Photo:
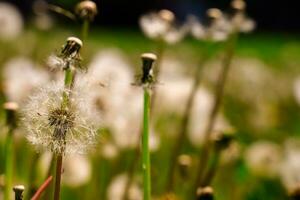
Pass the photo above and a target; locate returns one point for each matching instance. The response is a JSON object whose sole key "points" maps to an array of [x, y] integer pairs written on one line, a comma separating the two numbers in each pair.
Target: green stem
{"points": [[212, 168], [8, 164], [218, 97], [145, 146], [59, 159], [85, 30]]}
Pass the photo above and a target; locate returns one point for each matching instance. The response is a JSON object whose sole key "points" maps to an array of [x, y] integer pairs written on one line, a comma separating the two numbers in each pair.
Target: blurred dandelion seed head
{"points": [[161, 26], [11, 22]]}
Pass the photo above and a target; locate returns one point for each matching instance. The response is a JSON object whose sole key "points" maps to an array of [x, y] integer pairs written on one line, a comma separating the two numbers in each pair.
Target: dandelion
{"points": [[218, 28], [147, 81], [11, 22], [117, 186], [56, 126], [86, 10], [77, 170], [218, 98], [21, 77], [68, 57], [205, 193], [289, 167], [18, 189], [263, 159], [160, 26]]}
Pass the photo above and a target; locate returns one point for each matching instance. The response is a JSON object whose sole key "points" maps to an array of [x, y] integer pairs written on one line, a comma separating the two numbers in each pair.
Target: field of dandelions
{"points": [[196, 110]]}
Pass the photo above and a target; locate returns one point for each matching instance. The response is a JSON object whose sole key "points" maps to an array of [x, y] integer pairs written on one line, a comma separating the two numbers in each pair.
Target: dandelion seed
{"points": [[61, 128]]}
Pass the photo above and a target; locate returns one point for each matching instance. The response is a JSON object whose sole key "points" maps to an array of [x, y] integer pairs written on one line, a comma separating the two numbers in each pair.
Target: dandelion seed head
{"points": [[21, 77], [77, 170], [214, 13], [117, 186], [239, 5], [61, 128], [11, 21], [167, 15], [160, 26], [289, 169], [263, 159]]}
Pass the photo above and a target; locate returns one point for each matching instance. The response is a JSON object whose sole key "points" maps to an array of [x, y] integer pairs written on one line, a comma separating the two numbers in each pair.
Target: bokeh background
{"points": [[261, 101]]}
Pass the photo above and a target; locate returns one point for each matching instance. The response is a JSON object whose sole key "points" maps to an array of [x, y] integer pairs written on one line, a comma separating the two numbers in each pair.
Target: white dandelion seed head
{"points": [[290, 166], [242, 23], [77, 170], [62, 129], [202, 106], [21, 76], [263, 158], [160, 26], [117, 186], [218, 30], [109, 151], [11, 21]]}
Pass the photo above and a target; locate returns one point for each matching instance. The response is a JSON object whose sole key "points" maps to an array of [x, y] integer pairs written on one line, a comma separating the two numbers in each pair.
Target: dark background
{"points": [[273, 15]]}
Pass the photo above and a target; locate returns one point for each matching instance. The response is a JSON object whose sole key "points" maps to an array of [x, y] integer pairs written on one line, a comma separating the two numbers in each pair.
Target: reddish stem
{"points": [[42, 188]]}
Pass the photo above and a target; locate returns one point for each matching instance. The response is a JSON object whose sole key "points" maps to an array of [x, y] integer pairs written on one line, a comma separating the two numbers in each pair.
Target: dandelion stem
{"points": [[42, 188], [58, 171], [145, 146], [212, 168], [85, 29], [205, 152], [8, 164]]}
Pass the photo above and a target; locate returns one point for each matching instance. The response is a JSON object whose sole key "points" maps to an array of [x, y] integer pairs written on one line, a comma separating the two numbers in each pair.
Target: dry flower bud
{"points": [[185, 162], [238, 5], [18, 189], [294, 194], [11, 108], [214, 13], [223, 139], [86, 10], [205, 193], [73, 45], [148, 60], [167, 15]]}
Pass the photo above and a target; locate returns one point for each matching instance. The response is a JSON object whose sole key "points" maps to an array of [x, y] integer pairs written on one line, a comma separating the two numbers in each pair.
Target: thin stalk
{"points": [[183, 130], [58, 171], [41, 189], [145, 146], [212, 169], [8, 164], [85, 30], [218, 97], [160, 52], [69, 77]]}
